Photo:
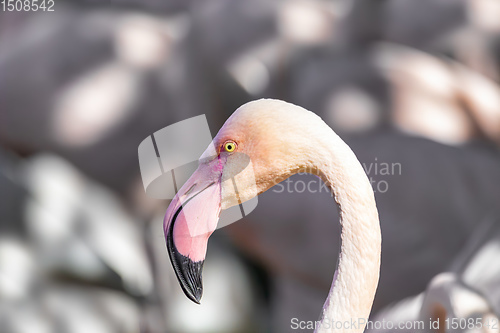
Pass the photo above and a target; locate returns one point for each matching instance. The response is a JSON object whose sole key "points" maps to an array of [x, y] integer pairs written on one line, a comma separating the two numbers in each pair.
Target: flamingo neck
{"points": [[353, 288]]}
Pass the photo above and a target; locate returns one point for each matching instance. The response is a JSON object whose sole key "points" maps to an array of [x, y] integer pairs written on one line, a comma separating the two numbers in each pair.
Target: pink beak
{"points": [[190, 219]]}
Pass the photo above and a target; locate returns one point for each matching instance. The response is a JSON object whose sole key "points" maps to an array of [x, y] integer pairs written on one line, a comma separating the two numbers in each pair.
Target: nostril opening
{"points": [[190, 189]]}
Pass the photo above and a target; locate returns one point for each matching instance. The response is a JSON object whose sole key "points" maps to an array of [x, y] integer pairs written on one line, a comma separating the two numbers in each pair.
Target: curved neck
{"points": [[288, 139], [353, 288]]}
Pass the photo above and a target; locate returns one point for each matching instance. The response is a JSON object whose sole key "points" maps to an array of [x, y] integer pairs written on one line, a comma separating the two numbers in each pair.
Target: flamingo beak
{"points": [[190, 219]]}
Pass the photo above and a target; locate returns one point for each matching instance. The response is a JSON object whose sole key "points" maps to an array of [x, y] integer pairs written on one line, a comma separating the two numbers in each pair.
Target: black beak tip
{"points": [[197, 295], [191, 292], [189, 275], [188, 272]]}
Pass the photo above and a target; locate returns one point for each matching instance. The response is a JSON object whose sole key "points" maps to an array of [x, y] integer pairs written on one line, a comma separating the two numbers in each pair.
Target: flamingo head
{"points": [[250, 154]]}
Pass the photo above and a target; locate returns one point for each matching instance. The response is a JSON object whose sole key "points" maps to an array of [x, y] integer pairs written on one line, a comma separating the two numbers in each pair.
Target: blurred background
{"points": [[411, 86]]}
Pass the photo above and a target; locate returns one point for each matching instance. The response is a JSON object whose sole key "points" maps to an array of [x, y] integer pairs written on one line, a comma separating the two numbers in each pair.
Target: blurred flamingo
{"points": [[466, 293]]}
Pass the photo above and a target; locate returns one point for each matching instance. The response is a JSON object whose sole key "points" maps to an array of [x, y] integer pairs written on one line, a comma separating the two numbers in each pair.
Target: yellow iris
{"points": [[229, 146]]}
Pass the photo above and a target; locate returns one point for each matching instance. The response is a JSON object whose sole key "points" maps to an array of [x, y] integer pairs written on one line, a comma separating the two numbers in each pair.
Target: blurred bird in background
{"points": [[411, 86]]}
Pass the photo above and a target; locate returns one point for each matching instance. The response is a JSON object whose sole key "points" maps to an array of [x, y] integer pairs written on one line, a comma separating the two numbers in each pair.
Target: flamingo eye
{"points": [[229, 146]]}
